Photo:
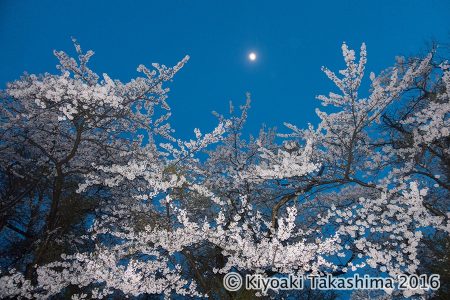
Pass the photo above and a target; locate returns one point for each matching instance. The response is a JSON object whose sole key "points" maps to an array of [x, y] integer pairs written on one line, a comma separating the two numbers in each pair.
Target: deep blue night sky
{"points": [[293, 39]]}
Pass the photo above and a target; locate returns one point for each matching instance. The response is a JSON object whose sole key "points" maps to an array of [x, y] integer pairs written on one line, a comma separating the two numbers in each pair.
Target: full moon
{"points": [[252, 56]]}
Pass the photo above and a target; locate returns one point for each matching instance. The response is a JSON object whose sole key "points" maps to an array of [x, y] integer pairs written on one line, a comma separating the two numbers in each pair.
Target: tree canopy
{"points": [[99, 198]]}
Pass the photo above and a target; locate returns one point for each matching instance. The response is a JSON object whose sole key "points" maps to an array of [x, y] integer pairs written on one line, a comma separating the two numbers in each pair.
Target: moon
{"points": [[252, 56]]}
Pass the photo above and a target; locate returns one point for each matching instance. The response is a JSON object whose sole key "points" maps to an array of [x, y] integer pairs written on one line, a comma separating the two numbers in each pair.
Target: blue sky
{"points": [[293, 39]]}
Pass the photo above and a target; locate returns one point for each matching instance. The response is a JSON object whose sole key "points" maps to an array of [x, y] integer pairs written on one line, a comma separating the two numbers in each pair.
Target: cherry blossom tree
{"points": [[57, 128], [360, 192]]}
